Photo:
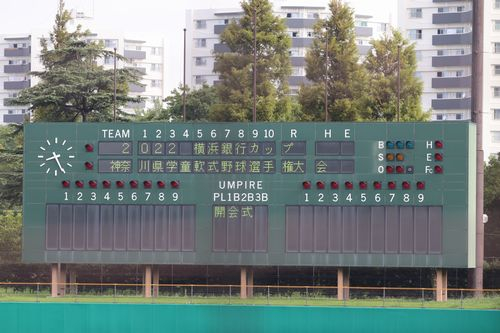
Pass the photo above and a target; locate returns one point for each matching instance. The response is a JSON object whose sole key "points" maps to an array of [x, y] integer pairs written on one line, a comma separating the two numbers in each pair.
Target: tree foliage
{"points": [[492, 183], [382, 65], [11, 167], [235, 67], [72, 85], [10, 236], [333, 58]]}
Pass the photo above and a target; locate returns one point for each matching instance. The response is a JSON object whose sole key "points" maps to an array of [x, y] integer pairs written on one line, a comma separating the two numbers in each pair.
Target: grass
{"points": [[487, 302]]}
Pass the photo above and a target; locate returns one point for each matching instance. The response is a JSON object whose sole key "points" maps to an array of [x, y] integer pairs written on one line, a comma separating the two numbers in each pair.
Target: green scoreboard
{"points": [[301, 194]]}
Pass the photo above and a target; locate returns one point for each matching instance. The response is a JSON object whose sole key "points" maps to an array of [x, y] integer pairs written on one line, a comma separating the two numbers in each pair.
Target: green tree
{"points": [[10, 236], [11, 167], [382, 65], [492, 183], [235, 67], [333, 58], [72, 85]]}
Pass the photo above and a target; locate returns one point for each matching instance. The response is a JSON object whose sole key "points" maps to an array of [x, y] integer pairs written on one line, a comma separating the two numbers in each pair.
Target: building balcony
{"points": [[8, 101], [19, 52], [451, 82], [23, 68], [297, 80], [300, 23], [364, 31], [221, 48], [134, 54], [136, 88], [453, 39], [141, 70], [302, 42], [14, 118], [451, 104], [131, 105], [450, 18], [16, 85], [219, 28], [298, 61], [452, 61]]}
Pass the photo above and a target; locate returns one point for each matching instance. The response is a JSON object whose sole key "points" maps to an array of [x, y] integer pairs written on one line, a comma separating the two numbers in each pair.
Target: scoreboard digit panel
{"points": [[324, 194]]}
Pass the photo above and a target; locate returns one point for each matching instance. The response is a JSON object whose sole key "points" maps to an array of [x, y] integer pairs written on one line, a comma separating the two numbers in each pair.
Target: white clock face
{"points": [[55, 157]]}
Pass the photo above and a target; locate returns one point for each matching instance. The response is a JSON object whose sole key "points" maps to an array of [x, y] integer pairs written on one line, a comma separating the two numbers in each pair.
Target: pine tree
{"points": [[382, 65], [235, 67], [72, 85], [333, 58]]}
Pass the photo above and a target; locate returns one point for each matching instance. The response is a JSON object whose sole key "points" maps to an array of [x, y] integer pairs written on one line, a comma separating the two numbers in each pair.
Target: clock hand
{"points": [[59, 163], [54, 156]]}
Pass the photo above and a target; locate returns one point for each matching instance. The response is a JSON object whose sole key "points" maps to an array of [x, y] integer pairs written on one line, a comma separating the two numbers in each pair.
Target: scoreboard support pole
{"points": [[156, 281], [62, 279], [73, 288], [441, 285], [343, 283], [243, 282], [147, 281], [54, 272]]}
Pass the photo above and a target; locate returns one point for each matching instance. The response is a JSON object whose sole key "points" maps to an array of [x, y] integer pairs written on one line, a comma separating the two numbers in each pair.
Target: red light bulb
{"points": [[306, 185], [400, 169], [391, 185], [92, 183], [175, 184], [120, 183], [420, 185], [89, 165], [363, 185], [320, 185], [106, 184], [438, 144], [79, 184], [133, 183], [348, 185], [147, 184], [438, 169], [377, 185], [160, 184], [406, 185], [65, 183], [89, 148], [438, 157], [389, 169], [334, 185]]}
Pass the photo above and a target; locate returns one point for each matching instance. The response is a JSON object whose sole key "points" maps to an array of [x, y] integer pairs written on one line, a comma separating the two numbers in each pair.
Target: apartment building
{"points": [[442, 33], [204, 27]]}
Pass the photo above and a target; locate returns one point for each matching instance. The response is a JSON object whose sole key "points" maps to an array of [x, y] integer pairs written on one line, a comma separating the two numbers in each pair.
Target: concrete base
{"points": [[441, 285], [343, 284]]}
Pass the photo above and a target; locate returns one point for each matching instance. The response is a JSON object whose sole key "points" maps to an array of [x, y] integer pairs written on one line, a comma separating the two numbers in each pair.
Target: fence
{"points": [[257, 295]]}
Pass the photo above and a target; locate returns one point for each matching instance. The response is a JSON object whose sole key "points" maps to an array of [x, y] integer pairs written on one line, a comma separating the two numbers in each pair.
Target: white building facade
{"points": [[442, 33], [204, 27]]}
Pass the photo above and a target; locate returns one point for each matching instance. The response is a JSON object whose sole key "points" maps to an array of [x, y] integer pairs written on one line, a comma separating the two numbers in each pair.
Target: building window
{"points": [[202, 42], [311, 15], [199, 79], [496, 114], [294, 34], [110, 43], [497, 47], [19, 45], [156, 83], [496, 91], [156, 67], [415, 34], [415, 12], [497, 4], [292, 15], [496, 69], [440, 116], [459, 116], [199, 61], [496, 25], [201, 24], [495, 136], [108, 60], [156, 51]]}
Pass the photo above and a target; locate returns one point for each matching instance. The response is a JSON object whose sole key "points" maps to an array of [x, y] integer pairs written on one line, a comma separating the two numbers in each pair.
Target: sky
{"points": [[145, 19]]}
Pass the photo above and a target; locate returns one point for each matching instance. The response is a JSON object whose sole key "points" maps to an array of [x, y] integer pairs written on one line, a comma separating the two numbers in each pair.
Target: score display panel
{"points": [[298, 194]]}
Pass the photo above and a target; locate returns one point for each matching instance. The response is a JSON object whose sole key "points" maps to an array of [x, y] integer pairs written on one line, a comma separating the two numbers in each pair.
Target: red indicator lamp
{"points": [[306, 185], [133, 183], [92, 183], [89, 148], [438, 144], [65, 183], [106, 184], [120, 184], [389, 169], [391, 185], [320, 185], [363, 185], [89, 165], [147, 184], [420, 185], [400, 169], [406, 185], [377, 185], [348, 185], [334, 185], [79, 184], [438, 169], [160, 184], [438, 157], [175, 184]]}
